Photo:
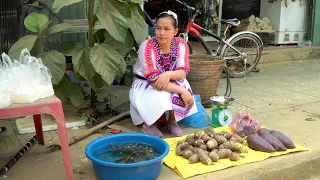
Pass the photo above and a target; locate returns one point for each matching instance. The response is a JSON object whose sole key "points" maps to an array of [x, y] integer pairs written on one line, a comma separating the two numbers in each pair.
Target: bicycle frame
{"points": [[196, 29]]}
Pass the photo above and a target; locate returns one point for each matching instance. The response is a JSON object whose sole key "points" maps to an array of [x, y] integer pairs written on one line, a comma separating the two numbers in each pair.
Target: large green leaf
{"points": [[76, 95], [122, 47], [98, 36], [38, 47], [36, 22], [57, 29], [107, 61], [62, 90], [113, 15], [70, 48], [81, 63], [58, 4], [80, 59], [25, 42], [56, 62], [138, 24], [122, 68], [96, 82]]}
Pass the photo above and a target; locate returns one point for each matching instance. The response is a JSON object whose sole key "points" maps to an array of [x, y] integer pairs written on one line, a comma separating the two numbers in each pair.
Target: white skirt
{"points": [[148, 104]]}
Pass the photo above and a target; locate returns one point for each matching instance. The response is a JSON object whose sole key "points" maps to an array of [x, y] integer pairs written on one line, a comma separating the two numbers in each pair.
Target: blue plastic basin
{"points": [[147, 170]]}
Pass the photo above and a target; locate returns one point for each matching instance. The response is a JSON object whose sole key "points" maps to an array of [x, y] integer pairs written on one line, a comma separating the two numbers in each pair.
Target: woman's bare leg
{"points": [[173, 126]]}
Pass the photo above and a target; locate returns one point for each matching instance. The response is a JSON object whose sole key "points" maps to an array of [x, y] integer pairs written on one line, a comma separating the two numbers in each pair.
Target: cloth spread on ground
{"points": [[186, 170]]}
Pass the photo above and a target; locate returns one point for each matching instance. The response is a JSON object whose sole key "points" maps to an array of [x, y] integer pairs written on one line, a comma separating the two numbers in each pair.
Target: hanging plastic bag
{"points": [[5, 97], [199, 119]]}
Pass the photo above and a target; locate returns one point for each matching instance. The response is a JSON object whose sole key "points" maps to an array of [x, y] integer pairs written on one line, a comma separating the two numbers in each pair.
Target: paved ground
{"points": [[282, 96]]}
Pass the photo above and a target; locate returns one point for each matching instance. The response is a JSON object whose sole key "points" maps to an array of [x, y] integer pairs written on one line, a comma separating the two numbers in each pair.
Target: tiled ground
{"points": [[277, 84]]}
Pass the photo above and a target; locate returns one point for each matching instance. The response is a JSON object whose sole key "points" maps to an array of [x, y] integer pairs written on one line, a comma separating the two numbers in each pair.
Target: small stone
{"points": [[84, 159], [310, 119]]}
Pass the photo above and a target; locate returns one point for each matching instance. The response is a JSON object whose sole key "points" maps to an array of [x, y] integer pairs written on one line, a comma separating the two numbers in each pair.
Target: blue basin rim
{"points": [[89, 151]]}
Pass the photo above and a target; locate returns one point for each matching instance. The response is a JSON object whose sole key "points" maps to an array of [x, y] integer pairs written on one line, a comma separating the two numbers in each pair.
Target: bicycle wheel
{"points": [[239, 66]]}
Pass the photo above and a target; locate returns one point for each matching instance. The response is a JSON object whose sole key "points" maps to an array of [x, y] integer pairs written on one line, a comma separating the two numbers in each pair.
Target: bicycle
{"points": [[236, 61]]}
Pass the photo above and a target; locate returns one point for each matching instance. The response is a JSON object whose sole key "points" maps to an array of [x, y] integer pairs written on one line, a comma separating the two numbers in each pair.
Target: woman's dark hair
{"points": [[164, 15]]}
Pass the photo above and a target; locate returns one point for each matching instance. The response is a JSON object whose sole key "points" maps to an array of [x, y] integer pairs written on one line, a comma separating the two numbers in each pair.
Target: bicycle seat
{"points": [[233, 22]]}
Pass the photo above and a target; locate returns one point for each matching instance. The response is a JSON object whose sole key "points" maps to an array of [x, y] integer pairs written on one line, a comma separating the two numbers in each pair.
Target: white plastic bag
{"points": [[42, 77], [24, 81], [21, 81], [5, 97]]}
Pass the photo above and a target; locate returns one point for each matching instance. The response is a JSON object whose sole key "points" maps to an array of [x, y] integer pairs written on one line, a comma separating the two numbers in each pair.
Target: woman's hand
{"points": [[187, 98], [161, 81]]}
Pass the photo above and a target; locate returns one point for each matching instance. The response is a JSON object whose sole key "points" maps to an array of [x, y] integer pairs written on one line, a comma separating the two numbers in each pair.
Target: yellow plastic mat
{"points": [[186, 170]]}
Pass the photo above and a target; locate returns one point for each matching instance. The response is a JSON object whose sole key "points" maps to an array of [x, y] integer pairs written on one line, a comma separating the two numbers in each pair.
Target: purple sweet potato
{"points": [[276, 144], [283, 139], [263, 131], [256, 142]]}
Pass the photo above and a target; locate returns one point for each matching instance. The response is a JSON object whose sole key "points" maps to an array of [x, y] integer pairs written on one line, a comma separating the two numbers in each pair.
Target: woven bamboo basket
{"points": [[204, 76]]}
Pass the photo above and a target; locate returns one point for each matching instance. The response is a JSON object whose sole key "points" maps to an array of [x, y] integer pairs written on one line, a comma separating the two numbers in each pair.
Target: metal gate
{"points": [[8, 24]]}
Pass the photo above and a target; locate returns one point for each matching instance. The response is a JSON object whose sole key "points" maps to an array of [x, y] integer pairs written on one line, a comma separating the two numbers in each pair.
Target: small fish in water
{"points": [[132, 153]]}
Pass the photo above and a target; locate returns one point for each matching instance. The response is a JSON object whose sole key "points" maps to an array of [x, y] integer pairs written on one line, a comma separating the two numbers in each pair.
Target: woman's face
{"points": [[165, 30]]}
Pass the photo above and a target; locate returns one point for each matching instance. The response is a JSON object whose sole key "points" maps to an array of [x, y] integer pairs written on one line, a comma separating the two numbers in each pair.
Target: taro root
{"points": [[237, 138], [194, 158], [205, 137], [190, 139], [226, 134], [214, 156], [197, 134], [234, 156], [209, 131], [220, 139], [212, 144], [196, 149], [181, 147], [224, 153], [233, 146], [181, 141], [215, 150], [204, 158], [203, 146], [187, 153], [198, 142]]}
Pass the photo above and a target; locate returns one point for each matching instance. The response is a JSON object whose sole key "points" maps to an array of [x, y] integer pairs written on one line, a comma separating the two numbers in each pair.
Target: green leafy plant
{"points": [[54, 60], [102, 59]]}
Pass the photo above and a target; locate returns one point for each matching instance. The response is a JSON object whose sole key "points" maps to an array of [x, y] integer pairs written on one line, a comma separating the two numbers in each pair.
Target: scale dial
{"points": [[225, 117]]}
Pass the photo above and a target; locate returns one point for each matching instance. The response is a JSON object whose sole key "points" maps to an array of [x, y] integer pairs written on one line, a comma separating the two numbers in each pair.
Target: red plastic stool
{"points": [[53, 106]]}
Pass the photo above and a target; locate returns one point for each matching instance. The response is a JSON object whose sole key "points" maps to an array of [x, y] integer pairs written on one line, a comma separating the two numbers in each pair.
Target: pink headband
{"points": [[174, 15]]}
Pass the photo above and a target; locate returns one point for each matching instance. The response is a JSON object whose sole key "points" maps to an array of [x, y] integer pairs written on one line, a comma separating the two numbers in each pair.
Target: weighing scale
{"points": [[221, 115]]}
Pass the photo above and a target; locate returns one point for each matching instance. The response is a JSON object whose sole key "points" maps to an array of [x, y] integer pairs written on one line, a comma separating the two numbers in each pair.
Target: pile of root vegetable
{"points": [[255, 24], [210, 146]]}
